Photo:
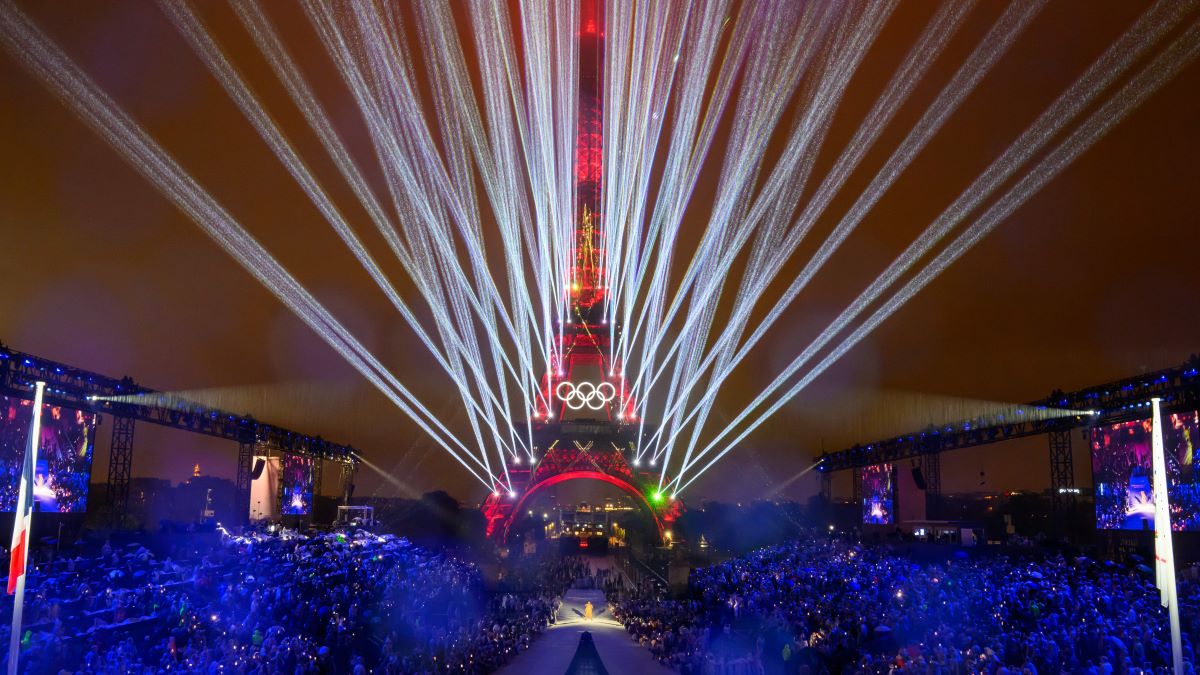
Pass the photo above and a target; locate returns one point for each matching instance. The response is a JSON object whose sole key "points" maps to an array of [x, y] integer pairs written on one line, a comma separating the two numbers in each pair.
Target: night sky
{"points": [[1092, 280]]}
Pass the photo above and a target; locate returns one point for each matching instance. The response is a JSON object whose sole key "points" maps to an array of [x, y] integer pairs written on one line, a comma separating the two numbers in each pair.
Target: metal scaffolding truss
{"points": [[1062, 467], [91, 392], [120, 465], [1127, 399], [84, 390]]}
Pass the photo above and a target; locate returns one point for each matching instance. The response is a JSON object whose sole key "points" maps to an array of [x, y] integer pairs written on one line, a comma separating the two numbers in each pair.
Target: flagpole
{"points": [[22, 520], [1164, 548]]}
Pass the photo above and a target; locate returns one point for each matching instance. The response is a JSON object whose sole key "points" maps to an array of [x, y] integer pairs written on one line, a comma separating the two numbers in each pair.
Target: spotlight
{"points": [[512, 494]]}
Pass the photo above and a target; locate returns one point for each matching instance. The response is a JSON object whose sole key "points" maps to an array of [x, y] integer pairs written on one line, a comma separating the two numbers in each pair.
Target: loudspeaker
{"points": [[259, 465], [919, 478]]}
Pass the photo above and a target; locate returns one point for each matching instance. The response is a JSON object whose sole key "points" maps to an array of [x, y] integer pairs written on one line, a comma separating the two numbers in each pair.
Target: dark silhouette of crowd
{"points": [[822, 605], [281, 603], [357, 602]]}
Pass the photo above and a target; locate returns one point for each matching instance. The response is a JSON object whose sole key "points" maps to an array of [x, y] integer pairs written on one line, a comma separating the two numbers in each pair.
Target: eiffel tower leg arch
{"points": [[662, 517]]}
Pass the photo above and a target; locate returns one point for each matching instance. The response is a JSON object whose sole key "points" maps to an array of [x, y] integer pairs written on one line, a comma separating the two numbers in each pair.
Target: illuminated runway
{"points": [[551, 653]]}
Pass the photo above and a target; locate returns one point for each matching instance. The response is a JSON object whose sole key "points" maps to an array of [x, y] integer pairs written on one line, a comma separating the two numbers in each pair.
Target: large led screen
{"points": [[878, 495], [64, 465], [297, 485], [1123, 473]]}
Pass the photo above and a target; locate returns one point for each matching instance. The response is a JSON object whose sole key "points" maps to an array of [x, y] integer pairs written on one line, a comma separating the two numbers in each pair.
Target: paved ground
{"points": [[551, 653]]}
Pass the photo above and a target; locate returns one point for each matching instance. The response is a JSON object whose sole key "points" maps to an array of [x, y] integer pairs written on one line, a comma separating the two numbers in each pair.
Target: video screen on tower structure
{"points": [[878, 495], [1122, 471], [297, 485], [64, 465]]}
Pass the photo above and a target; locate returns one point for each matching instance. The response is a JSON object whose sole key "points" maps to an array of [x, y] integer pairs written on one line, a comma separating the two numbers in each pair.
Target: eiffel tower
{"points": [[587, 428]]}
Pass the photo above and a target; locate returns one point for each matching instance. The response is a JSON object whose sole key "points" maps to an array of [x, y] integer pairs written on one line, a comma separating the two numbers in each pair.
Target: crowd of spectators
{"points": [[821, 605], [280, 603], [358, 602]]}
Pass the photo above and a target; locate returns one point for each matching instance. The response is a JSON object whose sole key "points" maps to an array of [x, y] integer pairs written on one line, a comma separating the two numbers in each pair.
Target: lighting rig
{"points": [[85, 390], [1111, 403]]}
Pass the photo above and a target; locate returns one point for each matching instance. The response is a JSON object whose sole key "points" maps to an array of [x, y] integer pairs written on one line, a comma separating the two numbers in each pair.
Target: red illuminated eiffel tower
{"points": [[585, 427]]}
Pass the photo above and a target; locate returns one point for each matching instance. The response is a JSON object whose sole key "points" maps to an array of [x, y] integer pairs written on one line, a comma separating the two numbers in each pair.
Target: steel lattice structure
{"points": [[589, 429], [85, 390], [1119, 401]]}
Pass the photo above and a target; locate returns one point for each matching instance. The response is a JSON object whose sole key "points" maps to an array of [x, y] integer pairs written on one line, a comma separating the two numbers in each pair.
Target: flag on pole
{"points": [[22, 520], [1164, 549], [1162, 513], [23, 513]]}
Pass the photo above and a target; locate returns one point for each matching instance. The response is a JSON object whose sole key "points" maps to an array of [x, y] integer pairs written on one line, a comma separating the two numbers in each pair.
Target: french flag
{"points": [[23, 516]]}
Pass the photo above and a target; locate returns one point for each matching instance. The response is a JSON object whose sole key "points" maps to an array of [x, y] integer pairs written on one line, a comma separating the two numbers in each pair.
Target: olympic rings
{"points": [[585, 394]]}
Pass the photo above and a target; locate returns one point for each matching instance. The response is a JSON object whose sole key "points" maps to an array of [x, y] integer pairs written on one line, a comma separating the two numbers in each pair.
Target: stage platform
{"points": [[552, 652]]}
